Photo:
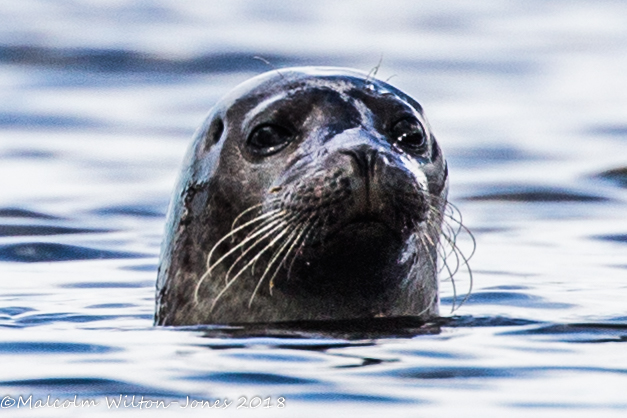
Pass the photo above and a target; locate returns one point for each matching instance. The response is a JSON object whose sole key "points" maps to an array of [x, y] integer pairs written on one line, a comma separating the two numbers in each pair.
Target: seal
{"points": [[309, 193]]}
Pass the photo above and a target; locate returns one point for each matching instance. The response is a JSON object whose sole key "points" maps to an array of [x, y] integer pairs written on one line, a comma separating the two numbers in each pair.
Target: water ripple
{"points": [[23, 213], [126, 61], [251, 378], [535, 194], [47, 251], [25, 230], [49, 318], [53, 348], [622, 238], [617, 175], [341, 396], [464, 372], [579, 333], [510, 298], [86, 387]]}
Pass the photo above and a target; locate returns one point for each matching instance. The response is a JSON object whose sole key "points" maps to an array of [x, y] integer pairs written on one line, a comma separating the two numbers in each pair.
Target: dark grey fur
{"points": [[363, 212]]}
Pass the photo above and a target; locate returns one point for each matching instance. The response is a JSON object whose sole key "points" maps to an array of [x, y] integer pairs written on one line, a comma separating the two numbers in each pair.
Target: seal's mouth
{"points": [[357, 259], [368, 227]]}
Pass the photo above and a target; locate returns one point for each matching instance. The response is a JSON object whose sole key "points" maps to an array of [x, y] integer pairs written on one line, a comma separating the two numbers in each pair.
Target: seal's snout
{"points": [[382, 188], [364, 158]]}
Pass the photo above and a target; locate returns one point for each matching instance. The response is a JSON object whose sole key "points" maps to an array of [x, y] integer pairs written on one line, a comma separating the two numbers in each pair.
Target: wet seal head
{"points": [[308, 194]]}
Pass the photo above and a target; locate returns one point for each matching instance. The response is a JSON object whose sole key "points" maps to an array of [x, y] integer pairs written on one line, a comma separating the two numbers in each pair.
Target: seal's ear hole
{"points": [[215, 132]]}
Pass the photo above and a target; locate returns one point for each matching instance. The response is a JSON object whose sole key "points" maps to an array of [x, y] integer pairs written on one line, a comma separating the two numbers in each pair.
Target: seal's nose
{"points": [[364, 158]]}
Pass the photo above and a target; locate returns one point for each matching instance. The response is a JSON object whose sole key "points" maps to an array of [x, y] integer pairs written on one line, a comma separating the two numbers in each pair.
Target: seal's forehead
{"points": [[342, 80], [345, 81]]}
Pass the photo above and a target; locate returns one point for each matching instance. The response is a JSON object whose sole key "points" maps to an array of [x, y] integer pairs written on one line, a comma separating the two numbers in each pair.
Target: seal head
{"points": [[308, 194]]}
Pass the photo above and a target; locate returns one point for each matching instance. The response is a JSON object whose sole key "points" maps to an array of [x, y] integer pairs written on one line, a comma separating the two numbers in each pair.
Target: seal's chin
{"points": [[357, 261]]}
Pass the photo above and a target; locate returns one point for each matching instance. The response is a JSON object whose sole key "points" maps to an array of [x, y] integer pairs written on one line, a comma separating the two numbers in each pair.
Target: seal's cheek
{"points": [[436, 174]]}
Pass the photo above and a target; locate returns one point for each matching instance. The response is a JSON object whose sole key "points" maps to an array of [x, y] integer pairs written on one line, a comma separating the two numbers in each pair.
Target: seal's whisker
{"points": [[243, 269], [452, 227], [426, 250], [210, 267], [433, 266], [466, 264], [268, 224], [450, 275], [253, 207], [387, 80], [437, 231], [278, 227], [273, 215], [428, 238], [197, 289], [373, 72], [437, 213], [449, 229], [252, 268], [244, 212], [290, 241], [310, 228], [443, 254], [268, 63], [273, 226], [454, 251], [303, 227], [285, 216], [452, 236], [470, 235], [249, 249], [276, 255], [455, 216], [429, 306], [454, 211]]}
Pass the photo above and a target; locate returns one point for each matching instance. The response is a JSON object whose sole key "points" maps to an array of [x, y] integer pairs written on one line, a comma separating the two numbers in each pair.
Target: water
{"points": [[99, 100]]}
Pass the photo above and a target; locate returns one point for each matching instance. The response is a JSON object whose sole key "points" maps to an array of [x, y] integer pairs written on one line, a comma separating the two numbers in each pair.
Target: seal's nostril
{"points": [[364, 158], [371, 156]]}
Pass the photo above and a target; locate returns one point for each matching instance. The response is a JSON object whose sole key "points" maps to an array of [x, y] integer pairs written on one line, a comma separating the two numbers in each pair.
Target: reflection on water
{"points": [[99, 100]]}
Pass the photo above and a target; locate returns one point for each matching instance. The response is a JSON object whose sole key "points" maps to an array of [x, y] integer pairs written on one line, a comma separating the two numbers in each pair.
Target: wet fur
{"points": [[339, 225]]}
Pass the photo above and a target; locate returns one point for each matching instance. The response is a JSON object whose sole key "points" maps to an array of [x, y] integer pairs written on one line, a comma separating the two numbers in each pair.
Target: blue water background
{"points": [[528, 99]]}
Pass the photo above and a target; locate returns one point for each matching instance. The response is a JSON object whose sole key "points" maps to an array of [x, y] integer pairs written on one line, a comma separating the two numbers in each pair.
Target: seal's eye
{"points": [[409, 133], [269, 139]]}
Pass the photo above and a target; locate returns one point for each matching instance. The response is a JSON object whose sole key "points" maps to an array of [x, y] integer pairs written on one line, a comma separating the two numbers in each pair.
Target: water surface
{"points": [[527, 99]]}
